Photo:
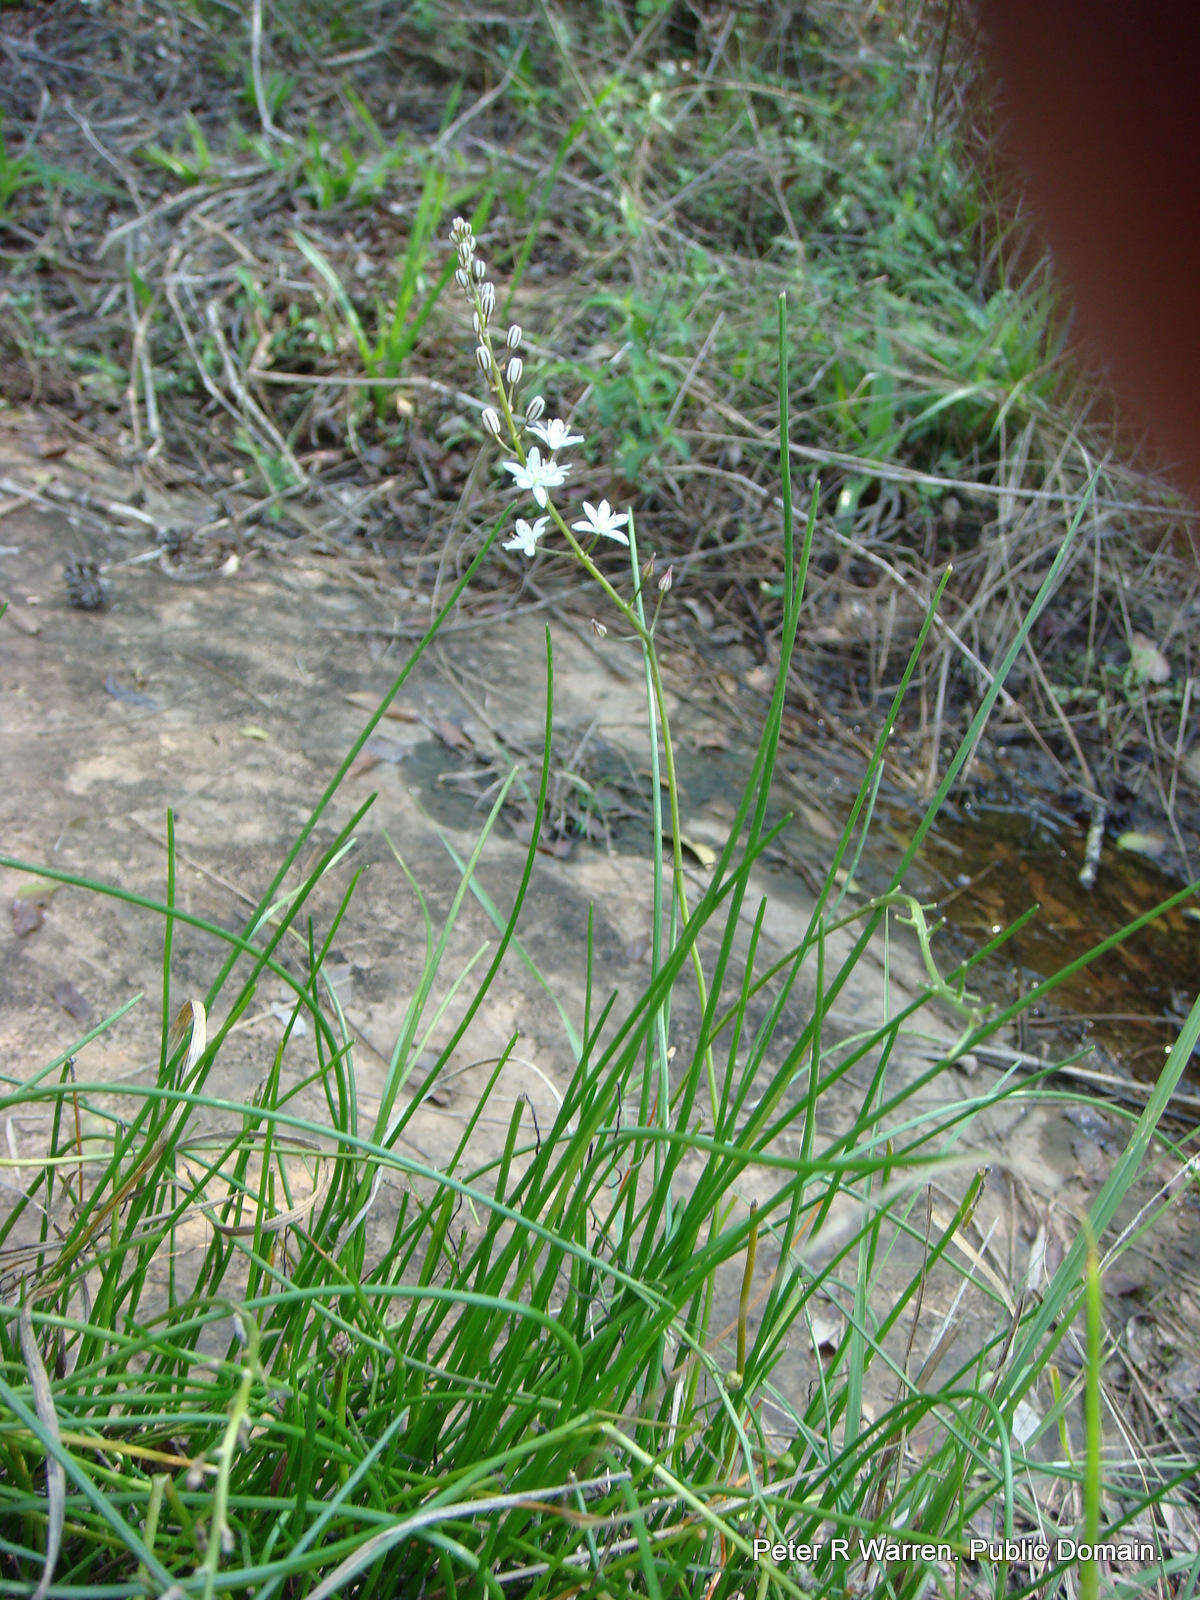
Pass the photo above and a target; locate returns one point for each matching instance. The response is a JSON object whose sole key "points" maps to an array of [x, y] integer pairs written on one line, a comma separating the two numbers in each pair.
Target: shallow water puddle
{"points": [[982, 868], [986, 868]]}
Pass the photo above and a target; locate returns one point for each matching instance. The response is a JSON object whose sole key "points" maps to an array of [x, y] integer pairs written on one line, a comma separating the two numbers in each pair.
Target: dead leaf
{"points": [[560, 849], [1119, 1282], [131, 697], [1026, 1422], [450, 734], [385, 749], [701, 612], [1146, 661], [370, 702], [27, 917], [816, 822], [1190, 765], [1142, 844], [1182, 1382], [826, 1334], [363, 764], [711, 738], [286, 1015], [23, 620], [72, 1002], [703, 853]]}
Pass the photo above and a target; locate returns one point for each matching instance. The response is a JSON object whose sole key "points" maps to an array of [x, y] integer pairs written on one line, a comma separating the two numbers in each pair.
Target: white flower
{"points": [[527, 535], [601, 519], [556, 434], [537, 475]]}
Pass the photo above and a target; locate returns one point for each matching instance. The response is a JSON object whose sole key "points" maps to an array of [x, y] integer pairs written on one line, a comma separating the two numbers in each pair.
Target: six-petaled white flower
{"points": [[527, 535], [602, 519], [537, 475], [555, 434]]}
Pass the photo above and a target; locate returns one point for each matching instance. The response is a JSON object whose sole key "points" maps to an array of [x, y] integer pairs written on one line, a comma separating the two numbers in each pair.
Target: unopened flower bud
{"points": [[534, 408], [460, 228], [487, 299], [484, 357], [466, 249], [664, 583], [477, 323], [514, 370], [513, 339], [599, 629], [490, 418], [647, 569], [478, 268], [462, 277]]}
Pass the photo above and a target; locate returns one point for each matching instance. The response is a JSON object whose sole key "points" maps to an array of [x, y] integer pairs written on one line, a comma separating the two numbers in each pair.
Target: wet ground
{"points": [[988, 868]]}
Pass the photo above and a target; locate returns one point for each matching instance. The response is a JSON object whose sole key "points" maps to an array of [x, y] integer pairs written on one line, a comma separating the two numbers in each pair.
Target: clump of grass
{"points": [[560, 1369], [29, 174]]}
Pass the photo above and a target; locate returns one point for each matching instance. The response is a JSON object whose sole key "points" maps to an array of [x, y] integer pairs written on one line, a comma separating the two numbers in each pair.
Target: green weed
{"points": [[385, 349], [30, 172], [191, 161]]}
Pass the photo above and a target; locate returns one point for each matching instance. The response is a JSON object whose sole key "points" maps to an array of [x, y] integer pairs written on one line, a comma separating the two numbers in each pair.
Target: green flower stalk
{"points": [[537, 470]]}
